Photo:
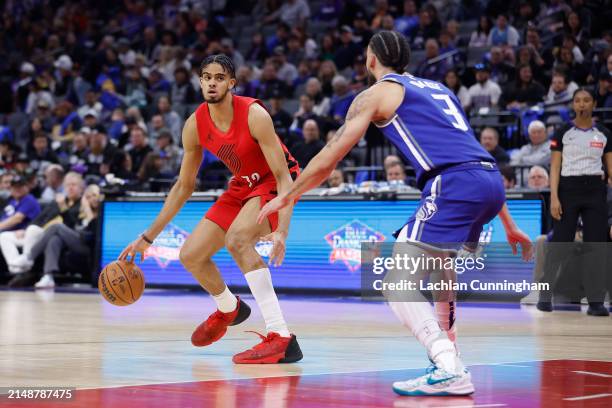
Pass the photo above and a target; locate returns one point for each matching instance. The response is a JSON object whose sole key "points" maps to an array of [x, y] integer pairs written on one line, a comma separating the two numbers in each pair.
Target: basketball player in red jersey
{"points": [[239, 131]]}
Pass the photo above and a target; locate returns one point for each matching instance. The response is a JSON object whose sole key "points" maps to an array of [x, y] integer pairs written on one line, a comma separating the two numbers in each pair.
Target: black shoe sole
{"points": [[602, 312], [244, 311], [545, 306], [293, 353]]}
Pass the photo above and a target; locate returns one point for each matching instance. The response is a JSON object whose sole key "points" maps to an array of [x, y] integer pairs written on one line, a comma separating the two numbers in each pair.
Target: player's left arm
{"points": [[361, 112], [515, 235], [262, 129]]}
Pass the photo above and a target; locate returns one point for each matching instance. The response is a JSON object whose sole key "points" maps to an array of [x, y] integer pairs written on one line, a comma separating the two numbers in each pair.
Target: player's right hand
{"points": [[555, 208], [138, 246]]}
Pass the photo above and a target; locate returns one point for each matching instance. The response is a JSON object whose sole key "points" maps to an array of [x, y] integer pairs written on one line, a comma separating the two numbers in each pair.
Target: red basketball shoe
{"points": [[216, 325], [273, 349]]}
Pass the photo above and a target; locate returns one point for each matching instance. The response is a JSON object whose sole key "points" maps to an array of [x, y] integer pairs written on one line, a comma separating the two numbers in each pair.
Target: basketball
{"points": [[121, 283]]}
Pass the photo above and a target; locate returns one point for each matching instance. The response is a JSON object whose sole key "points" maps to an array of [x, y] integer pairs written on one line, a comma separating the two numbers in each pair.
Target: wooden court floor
{"points": [[141, 355]]}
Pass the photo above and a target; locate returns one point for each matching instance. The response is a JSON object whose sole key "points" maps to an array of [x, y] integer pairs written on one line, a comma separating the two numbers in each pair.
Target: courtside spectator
{"points": [[489, 139]]}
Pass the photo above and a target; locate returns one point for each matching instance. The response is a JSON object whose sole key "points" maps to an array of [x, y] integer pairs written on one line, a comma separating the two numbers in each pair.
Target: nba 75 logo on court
{"points": [[346, 243], [167, 245]]}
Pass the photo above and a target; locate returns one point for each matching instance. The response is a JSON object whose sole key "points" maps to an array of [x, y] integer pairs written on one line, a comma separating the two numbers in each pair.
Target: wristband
{"points": [[147, 240]]}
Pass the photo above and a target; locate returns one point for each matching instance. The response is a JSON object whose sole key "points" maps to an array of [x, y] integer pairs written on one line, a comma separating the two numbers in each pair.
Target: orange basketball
{"points": [[121, 283]]}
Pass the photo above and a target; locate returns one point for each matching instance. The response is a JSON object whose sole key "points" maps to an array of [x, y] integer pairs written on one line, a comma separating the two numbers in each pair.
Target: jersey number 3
{"points": [[452, 110]]}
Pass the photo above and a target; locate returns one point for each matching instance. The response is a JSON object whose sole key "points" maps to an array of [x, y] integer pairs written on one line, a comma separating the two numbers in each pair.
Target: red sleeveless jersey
{"points": [[237, 148]]}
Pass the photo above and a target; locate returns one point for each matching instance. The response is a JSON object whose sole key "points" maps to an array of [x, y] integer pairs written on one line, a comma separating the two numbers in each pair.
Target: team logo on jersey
{"points": [[427, 210], [346, 243], [597, 142], [167, 245]]}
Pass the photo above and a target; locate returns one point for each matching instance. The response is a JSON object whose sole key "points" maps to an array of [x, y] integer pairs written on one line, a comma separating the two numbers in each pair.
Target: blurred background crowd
{"points": [[100, 90]]}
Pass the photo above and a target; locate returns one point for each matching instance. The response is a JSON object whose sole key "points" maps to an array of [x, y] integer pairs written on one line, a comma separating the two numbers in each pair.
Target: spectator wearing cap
{"points": [[292, 12], [40, 154], [54, 177], [312, 144], [524, 92], [362, 32], [503, 33], [561, 89], [125, 53], [24, 84], [139, 147], [537, 151], [64, 78], [21, 208], [90, 119], [172, 120], [342, 99], [182, 92], [169, 153], [22, 164], [40, 95], [432, 67], [285, 71], [347, 50], [91, 103], [269, 83], [489, 139], [100, 153], [484, 93], [409, 20]]}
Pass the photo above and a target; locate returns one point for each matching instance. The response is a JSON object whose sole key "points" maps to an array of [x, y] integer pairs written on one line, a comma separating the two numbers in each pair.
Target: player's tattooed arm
{"points": [[361, 112]]}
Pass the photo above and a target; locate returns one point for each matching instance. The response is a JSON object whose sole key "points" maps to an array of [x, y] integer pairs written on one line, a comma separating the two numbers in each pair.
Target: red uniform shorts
{"points": [[225, 210]]}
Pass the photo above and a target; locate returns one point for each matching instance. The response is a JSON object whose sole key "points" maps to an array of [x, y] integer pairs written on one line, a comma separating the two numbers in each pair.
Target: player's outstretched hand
{"points": [[277, 255], [517, 237], [271, 207], [138, 246]]}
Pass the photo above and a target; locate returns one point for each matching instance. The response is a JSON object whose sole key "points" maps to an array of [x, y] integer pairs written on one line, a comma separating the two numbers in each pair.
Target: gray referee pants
{"points": [[55, 239]]}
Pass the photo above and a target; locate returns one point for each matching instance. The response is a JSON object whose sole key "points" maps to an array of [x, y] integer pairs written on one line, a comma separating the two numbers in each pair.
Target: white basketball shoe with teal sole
{"points": [[437, 382]]}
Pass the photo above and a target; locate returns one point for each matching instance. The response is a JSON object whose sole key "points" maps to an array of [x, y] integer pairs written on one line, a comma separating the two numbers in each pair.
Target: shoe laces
{"points": [[265, 340]]}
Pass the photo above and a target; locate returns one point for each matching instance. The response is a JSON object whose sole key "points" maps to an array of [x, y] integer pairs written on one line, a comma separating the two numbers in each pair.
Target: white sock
{"points": [[260, 282], [419, 318], [446, 313], [442, 352], [226, 301]]}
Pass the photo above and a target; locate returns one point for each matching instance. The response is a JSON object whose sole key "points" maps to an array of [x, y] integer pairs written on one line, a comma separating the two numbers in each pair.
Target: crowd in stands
{"points": [[102, 89]]}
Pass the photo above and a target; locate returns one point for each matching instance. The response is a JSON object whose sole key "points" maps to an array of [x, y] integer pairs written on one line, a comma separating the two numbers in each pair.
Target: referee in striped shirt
{"points": [[578, 189]]}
